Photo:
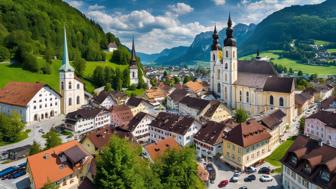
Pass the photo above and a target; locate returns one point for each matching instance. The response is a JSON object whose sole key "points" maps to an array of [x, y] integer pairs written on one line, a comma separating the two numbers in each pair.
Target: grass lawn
{"points": [[10, 73], [278, 153], [331, 50], [289, 63], [137, 92], [319, 42]]}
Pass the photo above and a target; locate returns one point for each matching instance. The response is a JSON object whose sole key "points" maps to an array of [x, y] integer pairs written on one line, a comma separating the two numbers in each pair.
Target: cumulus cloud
{"points": [[219, 2], [96, 7], [180, 8], [76, 3]]}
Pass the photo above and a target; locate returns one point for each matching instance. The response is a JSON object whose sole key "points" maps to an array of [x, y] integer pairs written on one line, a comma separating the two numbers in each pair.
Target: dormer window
{"points": [[325, 175], [293, 159], [307, 168]]}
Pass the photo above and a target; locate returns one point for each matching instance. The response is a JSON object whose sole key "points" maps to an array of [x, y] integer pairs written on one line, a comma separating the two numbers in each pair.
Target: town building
{"points": [[139, 105], [322, 126], [202, 109], [139, 126], [246, 145], [120, 115], [72, 89], [197, 87], [134, 70], [65, 165], [181, 128], [209, 139], [156, 95], [309, 164], [329, 104], [32, 101], [320, 92], [105, 99], [156, 150], [302, 102], [97, 139], [175, 97], [275, 125], [87, 119], [112, 47], [251, 85]]}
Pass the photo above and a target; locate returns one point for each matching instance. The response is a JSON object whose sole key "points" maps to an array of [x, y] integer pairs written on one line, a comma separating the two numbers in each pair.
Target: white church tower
{"points": [[230, 64], [134, 79], [72, 89], [216, 65]]}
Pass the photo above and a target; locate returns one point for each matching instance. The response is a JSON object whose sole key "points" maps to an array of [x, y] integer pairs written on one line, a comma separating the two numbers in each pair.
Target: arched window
{"points": [[271, 100], [218, 88], [226, 66], [240, 96], [247, 97], [78, 100], [78, 86], [227, 54], [70, 85], [133, 75], [307, 168], [218, 74], [62, 85], [69, 101], [281, 101], [213, 57]]}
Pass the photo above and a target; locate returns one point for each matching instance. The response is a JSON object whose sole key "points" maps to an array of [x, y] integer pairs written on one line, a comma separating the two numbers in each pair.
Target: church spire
{"points": [[133, 54], [215, 45], [229, 40], [65, 60]]}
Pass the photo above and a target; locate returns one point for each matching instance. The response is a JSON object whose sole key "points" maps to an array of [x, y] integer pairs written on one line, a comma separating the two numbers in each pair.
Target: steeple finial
{"points": [[215, 45], [229, 41], [65, 60], [133, 54]]}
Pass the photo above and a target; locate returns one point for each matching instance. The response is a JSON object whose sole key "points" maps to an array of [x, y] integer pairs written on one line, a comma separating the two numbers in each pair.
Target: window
{"points": [[226, 66], [78, 86], [293, 159], [70, 102], [133, 75], [227, 54], [271, 100], [240, 96], [70, 85], [247, 97], [78, 100], [324, 174], [214, 57], [307, 168], [281, 101], [218, 88]]}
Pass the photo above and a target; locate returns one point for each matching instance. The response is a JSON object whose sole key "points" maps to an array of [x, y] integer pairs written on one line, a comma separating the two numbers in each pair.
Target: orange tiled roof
{"points": [[155, 150], [46, 166], [195, 86], [19, 93], [155, 93]]}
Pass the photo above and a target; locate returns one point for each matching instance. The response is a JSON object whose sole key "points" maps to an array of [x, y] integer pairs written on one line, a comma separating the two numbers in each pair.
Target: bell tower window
{"points": [[227, 54], [240, 96], [218, 88], [70, 85], [213, 57], [247, 97], [226, 66]]}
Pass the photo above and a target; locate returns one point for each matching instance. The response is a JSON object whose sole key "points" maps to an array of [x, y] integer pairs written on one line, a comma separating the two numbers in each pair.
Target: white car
{"points": [[266, 178]]}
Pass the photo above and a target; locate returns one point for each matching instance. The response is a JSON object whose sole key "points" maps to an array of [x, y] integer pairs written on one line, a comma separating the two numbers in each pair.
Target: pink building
{"points": [[322, 126], [120, 115]]}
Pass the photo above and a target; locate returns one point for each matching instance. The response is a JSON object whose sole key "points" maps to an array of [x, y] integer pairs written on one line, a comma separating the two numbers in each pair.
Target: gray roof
{"points": [[251, 80]]}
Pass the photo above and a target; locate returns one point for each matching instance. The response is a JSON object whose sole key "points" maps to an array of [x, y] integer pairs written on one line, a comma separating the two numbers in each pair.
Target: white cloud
{"points": [[76, 3], [180, 8], [96, 7], [219, 2]]}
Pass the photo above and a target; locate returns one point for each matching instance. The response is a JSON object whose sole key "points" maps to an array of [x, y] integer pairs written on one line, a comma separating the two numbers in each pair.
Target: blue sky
{"points": [[160, 24]]}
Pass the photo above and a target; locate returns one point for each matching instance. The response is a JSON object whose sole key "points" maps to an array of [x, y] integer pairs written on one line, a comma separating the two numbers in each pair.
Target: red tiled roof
{"points": [[155, 150]]}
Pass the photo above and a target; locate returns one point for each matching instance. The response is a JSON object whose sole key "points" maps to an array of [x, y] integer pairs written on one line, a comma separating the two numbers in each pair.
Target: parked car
{"points": [[250, 169], [7, 171], [40, 130], [223, 183], [264, 170], [250, 178], [234, 179], [266, 178], [18, 174], [212, 172]]}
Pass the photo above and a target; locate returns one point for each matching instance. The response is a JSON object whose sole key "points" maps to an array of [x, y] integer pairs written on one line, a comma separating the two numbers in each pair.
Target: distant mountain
{"points": [[296, 22], [199, 49]]}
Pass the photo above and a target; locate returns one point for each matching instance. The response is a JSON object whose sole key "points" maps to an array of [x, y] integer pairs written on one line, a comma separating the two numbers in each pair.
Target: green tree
{"points": [[48, 55], [79, 65], [126, 78], [119, 166], [176, 80], [186, 79], [108, 87], [53, 139], [300, 73], [4, 54], [50, 185], [178, 169], [36, 148], [291, 71], [117, 81], [10, 127], [98, 76], [241, 116]]}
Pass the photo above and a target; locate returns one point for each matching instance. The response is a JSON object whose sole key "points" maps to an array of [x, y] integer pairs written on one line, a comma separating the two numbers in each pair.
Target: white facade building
{"points": [[32, 101], [72, 89], [182, 129], [139, 126], [87, 119]]}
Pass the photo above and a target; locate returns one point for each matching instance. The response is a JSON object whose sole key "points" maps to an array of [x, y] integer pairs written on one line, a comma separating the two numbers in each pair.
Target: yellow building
{"points": [[246, 144], [138, 105], [251, 85]]}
